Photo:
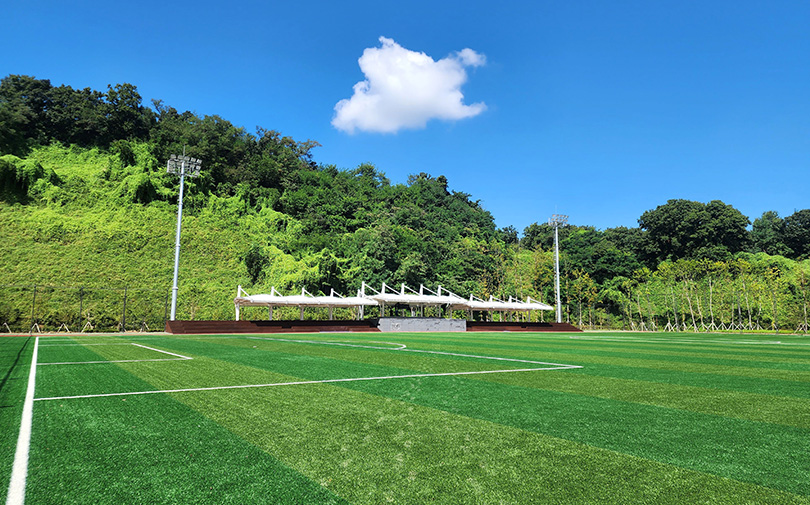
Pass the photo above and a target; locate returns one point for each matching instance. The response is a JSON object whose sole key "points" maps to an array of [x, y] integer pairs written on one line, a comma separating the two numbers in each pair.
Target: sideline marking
{"points": [[179, 357], [19, 472]]}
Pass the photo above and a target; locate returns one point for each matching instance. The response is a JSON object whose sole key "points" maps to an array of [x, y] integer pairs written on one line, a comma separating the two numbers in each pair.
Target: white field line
{"points": [[179, 357], [82, 345], [112, 361], [554, 366], [399, 346], [164, 352], [688, 340], [299, 383], [404, 348], [341, 344], [19, 472]]}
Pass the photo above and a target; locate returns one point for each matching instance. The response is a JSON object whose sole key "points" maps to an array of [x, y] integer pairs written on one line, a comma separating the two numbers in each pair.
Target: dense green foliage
{"points": [[88, 218], [646, 419]]}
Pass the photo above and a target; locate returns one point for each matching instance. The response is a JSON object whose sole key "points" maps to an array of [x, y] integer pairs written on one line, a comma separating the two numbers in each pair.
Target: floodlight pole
{"points": [[556, 221], [177, 244], [175, 163]]}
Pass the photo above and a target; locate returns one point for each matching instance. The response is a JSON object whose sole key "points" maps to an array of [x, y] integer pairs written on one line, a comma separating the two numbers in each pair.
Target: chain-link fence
{"points": [[26, 308], [738, 311]]}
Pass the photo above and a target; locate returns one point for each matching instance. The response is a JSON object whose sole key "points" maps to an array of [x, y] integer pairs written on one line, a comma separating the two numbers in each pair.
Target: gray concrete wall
{"points": [[393, 324]]}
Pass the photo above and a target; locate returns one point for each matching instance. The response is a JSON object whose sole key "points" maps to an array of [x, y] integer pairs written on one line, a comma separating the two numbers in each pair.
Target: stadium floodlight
{"points": [[556, 221], [185, 166]]}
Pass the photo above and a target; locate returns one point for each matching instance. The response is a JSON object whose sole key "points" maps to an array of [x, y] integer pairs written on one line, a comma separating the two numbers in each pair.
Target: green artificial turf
{"points": [[649, 418]]}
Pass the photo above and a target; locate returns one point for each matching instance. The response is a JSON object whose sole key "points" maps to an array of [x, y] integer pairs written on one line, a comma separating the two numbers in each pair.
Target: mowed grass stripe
{"points": [[148, 449], [692, 376], [797, 368], [766, 408], [756, 385], [564, 349], [152, 449], [643, 360], [676, 344], [753, 358], [762, 453]]}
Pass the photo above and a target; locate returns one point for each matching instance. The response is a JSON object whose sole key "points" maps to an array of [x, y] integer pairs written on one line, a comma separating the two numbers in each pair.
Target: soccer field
{"points": [[409, 418]]}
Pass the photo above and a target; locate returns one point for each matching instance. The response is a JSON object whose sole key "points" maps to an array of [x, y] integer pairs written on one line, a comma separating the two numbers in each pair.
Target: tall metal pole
{"points": [[191, 167], [557, 268], [556, 221], [177, 240]]}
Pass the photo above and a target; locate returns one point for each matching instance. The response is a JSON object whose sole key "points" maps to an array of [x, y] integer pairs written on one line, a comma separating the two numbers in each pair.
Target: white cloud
{"points": [[406, 89]]}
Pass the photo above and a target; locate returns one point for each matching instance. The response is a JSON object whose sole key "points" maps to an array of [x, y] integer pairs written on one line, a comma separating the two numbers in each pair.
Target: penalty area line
{"points": [[179, 357], [113, 361], [301, 383]]}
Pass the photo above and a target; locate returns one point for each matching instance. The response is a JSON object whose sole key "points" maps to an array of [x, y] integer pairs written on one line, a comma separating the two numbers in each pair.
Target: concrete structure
{"points": [[421, 324]]}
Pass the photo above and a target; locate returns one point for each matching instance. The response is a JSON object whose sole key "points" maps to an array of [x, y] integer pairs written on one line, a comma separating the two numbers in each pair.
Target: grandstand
{"points": [[400, 309], [415, 301]]}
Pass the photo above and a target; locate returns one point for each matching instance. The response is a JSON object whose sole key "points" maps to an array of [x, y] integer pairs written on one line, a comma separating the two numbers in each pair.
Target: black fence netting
{"points": [[79, 308]]}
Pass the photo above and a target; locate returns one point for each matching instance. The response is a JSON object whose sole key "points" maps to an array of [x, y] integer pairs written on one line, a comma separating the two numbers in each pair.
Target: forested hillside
{"points": [[88, 215]]}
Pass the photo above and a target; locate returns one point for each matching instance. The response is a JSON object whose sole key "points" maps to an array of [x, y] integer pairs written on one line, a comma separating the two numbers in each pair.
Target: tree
{"points": [[24, 101], [687, 229], [126, 117], [797, 233], [78, 116], [509, 235], [538, 235], [767, 235], [625, 239]]}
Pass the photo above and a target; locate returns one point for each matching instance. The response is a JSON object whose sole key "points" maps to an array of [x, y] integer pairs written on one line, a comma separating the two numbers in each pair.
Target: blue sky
{"points": [[599, 110]]}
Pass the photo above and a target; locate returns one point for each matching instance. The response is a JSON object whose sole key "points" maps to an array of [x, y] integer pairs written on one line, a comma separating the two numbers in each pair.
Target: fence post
{"points": [[166, 308], [34, 308], [81, 303], [124, 314]]}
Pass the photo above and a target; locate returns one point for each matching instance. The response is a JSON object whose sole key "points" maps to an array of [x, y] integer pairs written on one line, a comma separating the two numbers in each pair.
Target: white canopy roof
{"points": [[494, 304], [405, 296], [305, 299]]}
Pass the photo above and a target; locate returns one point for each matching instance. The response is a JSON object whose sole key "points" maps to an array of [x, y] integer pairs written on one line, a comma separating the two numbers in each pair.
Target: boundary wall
{"points": [[366, 325]]}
